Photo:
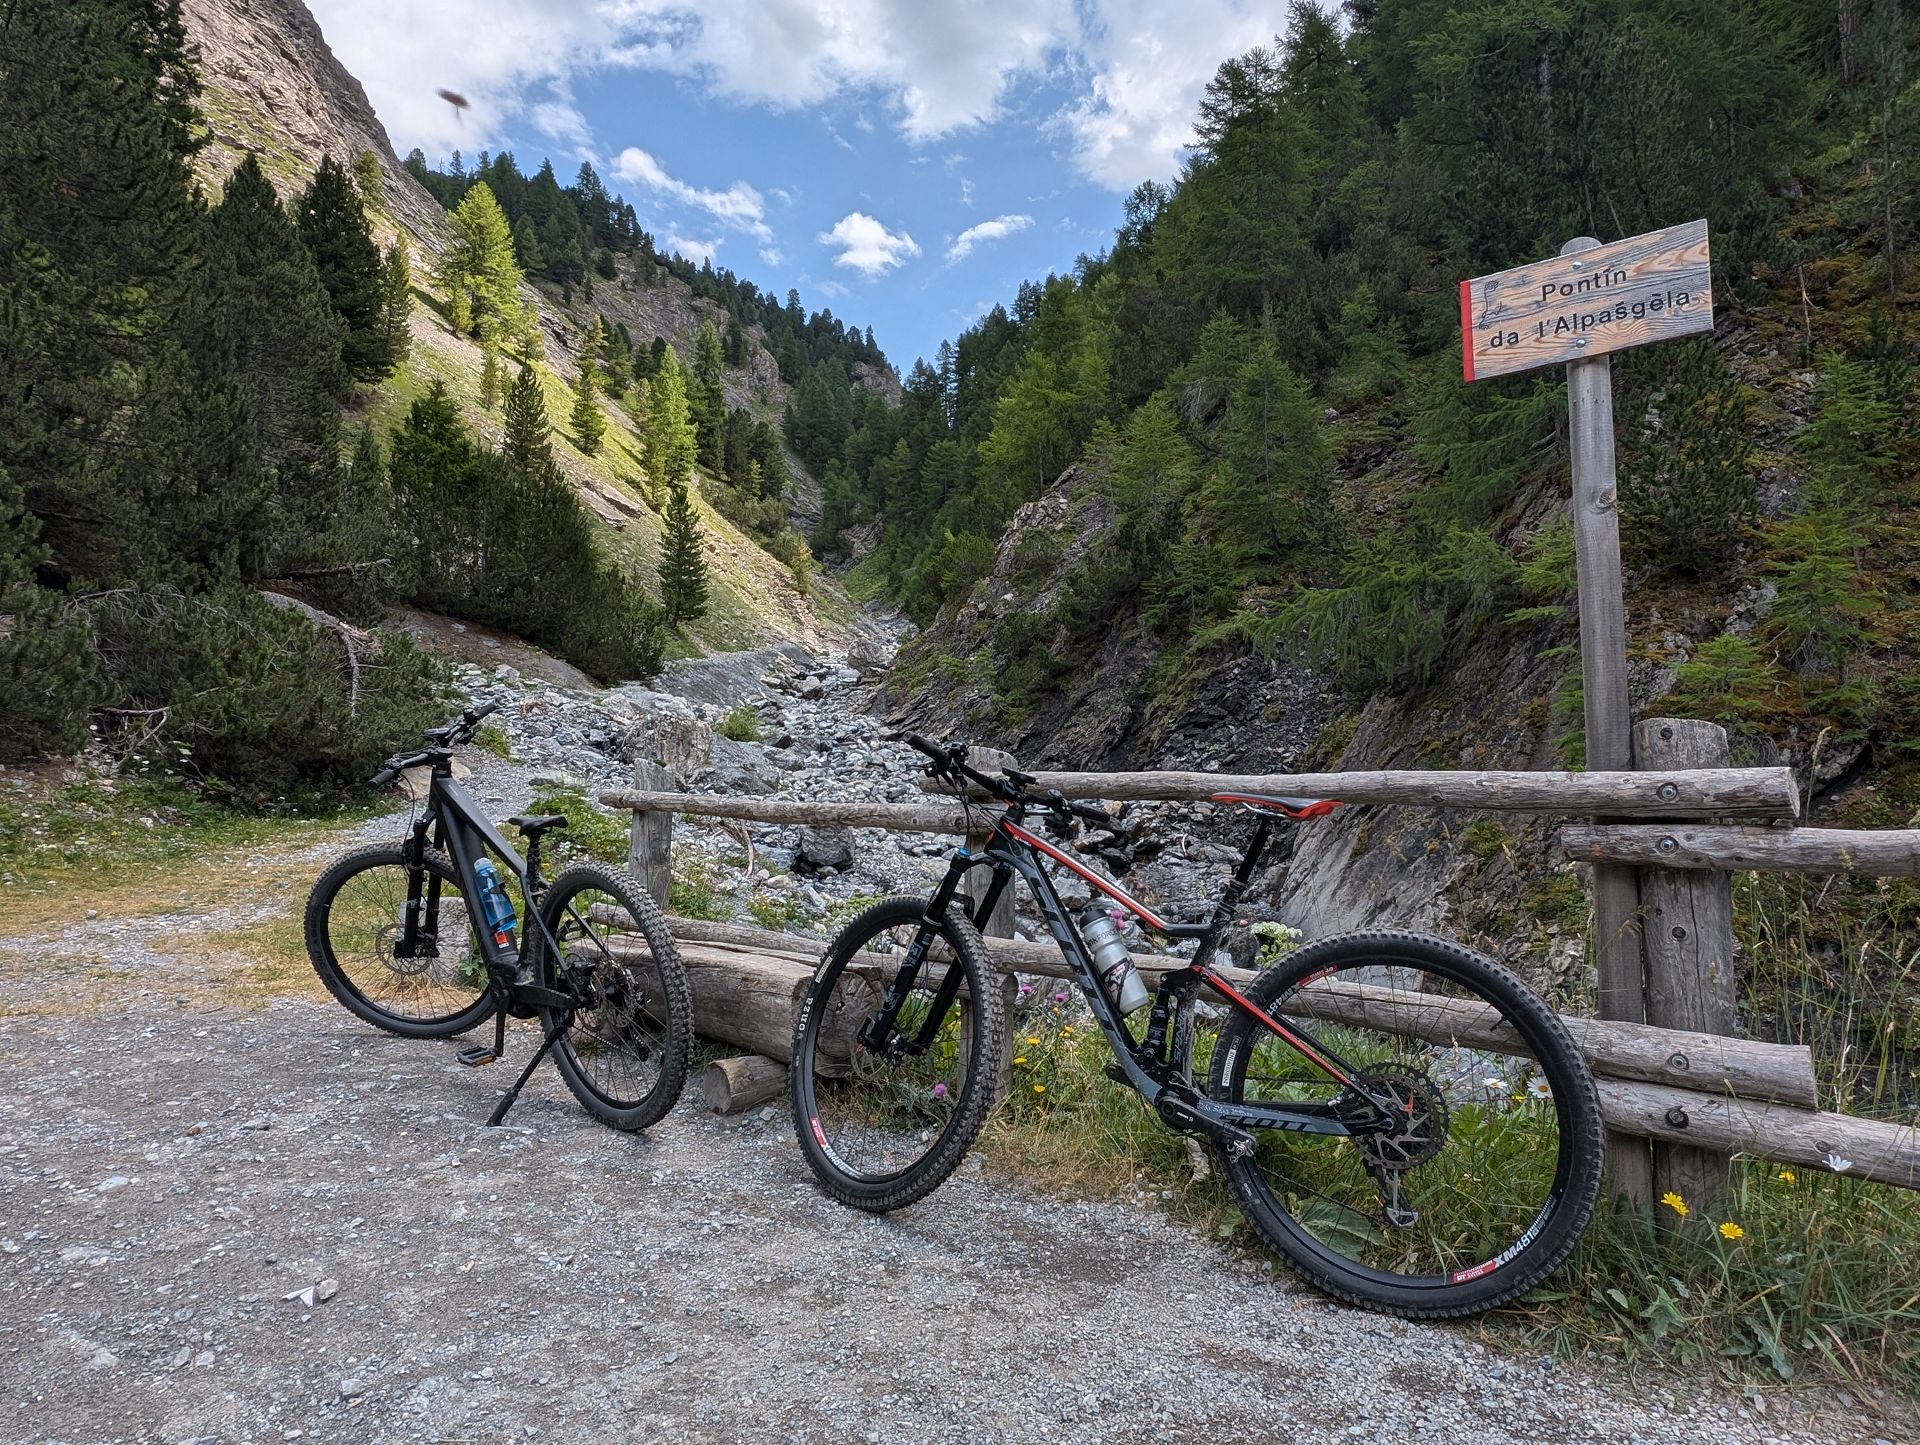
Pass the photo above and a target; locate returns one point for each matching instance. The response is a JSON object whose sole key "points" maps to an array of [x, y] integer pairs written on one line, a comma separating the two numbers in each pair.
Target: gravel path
{"points": [[170, 1178], [179, 1166]]}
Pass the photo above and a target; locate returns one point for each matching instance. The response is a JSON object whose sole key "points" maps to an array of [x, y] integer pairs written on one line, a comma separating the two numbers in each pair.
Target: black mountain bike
{"points": [[1399, 1117], [417, 937]]}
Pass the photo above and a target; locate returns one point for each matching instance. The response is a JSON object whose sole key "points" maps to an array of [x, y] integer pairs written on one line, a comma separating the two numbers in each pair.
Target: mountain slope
{"points": [[274, 87]]}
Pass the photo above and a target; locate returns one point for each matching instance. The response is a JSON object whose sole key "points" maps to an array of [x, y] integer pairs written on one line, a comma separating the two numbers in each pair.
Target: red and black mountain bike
{"points": [[1399, 1117]]}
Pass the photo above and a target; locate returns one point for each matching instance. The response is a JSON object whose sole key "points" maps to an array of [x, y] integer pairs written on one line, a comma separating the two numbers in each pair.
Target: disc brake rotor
{"points": [[1418, 1119]]}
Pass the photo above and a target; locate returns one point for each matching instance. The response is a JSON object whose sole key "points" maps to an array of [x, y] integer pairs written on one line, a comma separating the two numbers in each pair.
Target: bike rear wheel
{"points": [[883, 1122], [1491, 1167], [355, 925], [626, 1052]]}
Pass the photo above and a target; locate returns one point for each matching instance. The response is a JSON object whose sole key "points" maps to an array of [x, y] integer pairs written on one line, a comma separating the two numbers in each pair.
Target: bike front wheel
{"points": [[626, 1050], [356, 926], [885, 1116], [1480, 1179]]}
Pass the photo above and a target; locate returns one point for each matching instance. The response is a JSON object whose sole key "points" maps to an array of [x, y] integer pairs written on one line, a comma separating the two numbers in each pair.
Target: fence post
{"points": [[1603, 668], [1688, 916], [999, 923], [665, 750]]}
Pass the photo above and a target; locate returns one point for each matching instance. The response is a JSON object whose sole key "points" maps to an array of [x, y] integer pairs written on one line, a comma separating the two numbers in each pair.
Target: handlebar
{"points": [[1009, 787], [454, 734]]}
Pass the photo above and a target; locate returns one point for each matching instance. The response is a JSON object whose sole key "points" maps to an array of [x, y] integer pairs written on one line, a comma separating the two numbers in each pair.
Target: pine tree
{"points": [[489, 370], [528, 433], [367, 176], [707, 397], [332, 225], [269, 311], [589, 426], [478, 271], [683, 567], [396, 304], [671, 446]]}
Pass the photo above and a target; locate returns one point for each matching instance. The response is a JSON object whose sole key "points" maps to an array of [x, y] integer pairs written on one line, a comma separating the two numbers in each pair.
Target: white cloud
{"points": [[867, 246], [693, 248], [771, 255], [739, 205], [1148, 62], [999, 228], [1138, 65], [966, 191]]}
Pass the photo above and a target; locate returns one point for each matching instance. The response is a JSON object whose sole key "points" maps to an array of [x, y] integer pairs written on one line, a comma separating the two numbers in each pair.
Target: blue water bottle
{"points": [[495, 907]]}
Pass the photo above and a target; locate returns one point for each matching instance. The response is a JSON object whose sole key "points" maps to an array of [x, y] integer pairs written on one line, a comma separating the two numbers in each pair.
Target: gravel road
{"points": [[170, 1177], [182, 1162]]}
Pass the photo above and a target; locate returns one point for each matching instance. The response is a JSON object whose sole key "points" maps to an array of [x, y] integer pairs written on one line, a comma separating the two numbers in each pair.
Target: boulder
{"points": [[824, 848]]}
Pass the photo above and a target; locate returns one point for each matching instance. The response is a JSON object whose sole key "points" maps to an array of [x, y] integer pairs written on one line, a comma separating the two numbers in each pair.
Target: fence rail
{"points": [[1699, 1093]]}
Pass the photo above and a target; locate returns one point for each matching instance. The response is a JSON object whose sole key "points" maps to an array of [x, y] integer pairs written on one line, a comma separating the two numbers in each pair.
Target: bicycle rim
{"points": [[620, 1041], [445, 975], [1476, 1166], [878, 1112]]}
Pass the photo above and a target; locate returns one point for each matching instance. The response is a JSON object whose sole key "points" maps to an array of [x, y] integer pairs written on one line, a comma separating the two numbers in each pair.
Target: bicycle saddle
{"points": [[533, 827], [1296, 808]]}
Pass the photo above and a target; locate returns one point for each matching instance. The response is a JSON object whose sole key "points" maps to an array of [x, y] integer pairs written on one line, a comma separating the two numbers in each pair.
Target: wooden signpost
{"points": [[1576, 309], [1588, 302]]}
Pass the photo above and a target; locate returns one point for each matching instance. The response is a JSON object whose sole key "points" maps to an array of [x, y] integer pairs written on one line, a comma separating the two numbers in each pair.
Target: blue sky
{"points": [[906, 165]]}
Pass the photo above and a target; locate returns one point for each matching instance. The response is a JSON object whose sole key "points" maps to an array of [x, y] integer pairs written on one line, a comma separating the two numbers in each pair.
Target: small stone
{"points": [[351, 1387], [257, 1123], [203, 1360], [107, 1186], [326, 1290]]}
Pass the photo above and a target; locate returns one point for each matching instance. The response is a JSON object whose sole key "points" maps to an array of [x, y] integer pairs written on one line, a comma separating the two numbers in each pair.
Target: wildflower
{"points": [[939, 1091], [1539, 1088], [1494, 1085], [1837, 1164], [1730, 1230], [1025, 989], [1675, 1203], [1060, 998], [1786, 1176], [1039, 1088], [1020, 1058], [1032, 1041]]}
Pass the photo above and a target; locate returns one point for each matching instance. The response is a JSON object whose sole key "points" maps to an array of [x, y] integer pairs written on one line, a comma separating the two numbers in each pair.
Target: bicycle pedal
{"points": [[477, 1056]]}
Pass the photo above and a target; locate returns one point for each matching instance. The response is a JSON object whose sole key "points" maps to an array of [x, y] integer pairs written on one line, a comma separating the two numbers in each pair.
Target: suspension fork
{"points": [[878, 1033]]}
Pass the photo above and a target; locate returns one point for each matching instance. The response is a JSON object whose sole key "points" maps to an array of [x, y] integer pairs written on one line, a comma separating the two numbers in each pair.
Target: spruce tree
{"points": [[589, 426], [396, 301], [478, 271], [683, 565], [671, 446], [489, 370], [528, 433], [707, 397], [269, 311], [333, 227]]}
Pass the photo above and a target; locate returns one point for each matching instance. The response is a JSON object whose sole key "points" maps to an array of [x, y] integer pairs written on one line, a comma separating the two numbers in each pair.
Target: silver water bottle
{"points": [[1111, 961]]}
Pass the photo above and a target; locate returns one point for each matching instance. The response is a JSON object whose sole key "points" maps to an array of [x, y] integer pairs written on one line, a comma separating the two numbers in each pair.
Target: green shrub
{"points": [[742, 725]]}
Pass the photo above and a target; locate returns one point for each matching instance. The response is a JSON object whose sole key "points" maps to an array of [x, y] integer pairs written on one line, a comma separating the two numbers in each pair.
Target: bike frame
{"points": [[1157, 1066]]}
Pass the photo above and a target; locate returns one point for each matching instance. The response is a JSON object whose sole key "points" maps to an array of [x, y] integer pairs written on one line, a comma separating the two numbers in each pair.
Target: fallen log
{"points": [[898, 817], [731, 1085]]}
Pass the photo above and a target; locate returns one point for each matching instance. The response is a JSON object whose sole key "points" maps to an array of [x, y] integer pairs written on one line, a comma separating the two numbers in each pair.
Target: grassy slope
{"points": [[752, 600]]}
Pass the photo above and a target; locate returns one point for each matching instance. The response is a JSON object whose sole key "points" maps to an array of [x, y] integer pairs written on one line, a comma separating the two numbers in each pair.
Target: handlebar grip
{"points": [[932, 750], [476, 714], [1090, 812], [383, 777]]}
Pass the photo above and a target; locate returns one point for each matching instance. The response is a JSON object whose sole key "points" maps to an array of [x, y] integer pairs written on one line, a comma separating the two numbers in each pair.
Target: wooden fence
{"points": [[1664, 1052]]}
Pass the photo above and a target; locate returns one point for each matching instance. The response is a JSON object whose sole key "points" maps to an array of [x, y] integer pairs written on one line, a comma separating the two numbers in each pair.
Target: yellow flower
{"points": [[1033, 1041], [1039, 1088], [1730, 1230], [1786, 1176], [1675, 1203], [1020, 1058]]}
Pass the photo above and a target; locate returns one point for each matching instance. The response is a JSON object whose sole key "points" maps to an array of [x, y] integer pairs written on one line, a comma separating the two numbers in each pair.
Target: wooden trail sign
{"points": [[1574, 306]]}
